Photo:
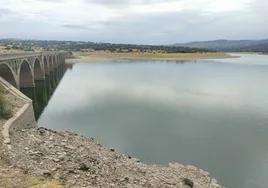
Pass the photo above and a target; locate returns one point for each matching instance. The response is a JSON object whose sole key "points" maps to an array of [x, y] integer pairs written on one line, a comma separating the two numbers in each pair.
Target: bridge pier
{"points": [[46, 66], [48, 86], [52, 81], [41, 96], [39, 73], [26, 77]]}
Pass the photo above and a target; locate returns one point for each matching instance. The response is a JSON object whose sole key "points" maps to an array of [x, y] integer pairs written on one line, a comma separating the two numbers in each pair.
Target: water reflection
{"points": [[44, 89], [209, 114]]}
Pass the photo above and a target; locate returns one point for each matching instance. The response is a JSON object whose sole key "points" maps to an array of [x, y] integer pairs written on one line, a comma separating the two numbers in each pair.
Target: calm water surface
{"points": [[212, 114]]}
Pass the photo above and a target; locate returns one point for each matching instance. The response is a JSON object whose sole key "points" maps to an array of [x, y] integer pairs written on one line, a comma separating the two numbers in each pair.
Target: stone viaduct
{"points": [[23, 69]]}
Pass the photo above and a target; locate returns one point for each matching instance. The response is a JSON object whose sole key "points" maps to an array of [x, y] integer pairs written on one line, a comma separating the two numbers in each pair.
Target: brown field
{"points": [[107, 56]]}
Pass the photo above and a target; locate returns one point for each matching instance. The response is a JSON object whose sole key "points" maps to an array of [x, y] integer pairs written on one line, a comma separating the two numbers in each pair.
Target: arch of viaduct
{"points": [[22, 69]]}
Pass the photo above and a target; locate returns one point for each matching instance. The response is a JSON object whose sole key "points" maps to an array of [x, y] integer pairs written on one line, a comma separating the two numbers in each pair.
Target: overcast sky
{"points": [[134, 21]]}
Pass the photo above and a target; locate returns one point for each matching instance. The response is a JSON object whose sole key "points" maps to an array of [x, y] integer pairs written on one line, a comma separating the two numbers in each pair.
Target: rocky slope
{"points": [[76, 161]]}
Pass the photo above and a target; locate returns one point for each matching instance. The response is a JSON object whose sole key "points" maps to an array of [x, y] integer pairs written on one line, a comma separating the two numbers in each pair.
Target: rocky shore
{"points": [[76, 161]]}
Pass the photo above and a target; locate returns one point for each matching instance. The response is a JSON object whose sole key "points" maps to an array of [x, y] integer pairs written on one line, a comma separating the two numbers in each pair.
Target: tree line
{"points": [[80, 45]]}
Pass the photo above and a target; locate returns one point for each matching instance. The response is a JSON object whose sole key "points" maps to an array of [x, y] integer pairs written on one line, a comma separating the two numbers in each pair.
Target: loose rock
{"points": [[79, 162]]}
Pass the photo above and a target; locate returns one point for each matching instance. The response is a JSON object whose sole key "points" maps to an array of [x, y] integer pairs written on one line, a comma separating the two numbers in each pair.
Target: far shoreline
{"points": [[91, 57]]}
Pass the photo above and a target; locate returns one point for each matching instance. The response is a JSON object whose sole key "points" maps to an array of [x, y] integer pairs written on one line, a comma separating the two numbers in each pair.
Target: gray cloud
{"points": [[134, 21], [5, 11], [126, 3], [71, 26], [166, 28], [51, 1]]}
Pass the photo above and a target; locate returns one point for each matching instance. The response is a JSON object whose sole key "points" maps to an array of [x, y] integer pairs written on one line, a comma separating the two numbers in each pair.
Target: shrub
{"points": [[5, 111]]}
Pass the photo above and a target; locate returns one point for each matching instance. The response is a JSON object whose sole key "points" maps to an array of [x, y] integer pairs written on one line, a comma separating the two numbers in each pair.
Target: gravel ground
{"points": [[76, 161]]}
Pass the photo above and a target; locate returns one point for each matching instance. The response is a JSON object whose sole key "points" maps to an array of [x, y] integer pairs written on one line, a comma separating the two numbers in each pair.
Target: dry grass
{"points": [[16, 179], [107, 56]]}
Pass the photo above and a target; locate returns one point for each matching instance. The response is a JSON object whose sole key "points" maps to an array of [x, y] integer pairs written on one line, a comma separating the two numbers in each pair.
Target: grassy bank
{"points": [[5, 111], [156, 56]]}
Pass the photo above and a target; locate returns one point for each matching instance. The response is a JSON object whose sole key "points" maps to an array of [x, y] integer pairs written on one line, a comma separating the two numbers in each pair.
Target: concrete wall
{"points": [[23, 118]]}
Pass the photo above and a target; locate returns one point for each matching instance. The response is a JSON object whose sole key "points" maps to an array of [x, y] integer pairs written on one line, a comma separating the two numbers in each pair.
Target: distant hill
{"points": [[254, 48], [229, 45]]}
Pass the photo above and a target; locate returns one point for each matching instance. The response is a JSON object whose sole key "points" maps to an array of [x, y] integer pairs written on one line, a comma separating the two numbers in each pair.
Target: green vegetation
{"points": [[83, 55], [15, 47], [5, 111]]}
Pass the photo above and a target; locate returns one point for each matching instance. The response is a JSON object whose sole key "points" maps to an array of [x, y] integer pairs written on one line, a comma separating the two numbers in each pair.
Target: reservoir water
{"points": [[212, 114]]}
